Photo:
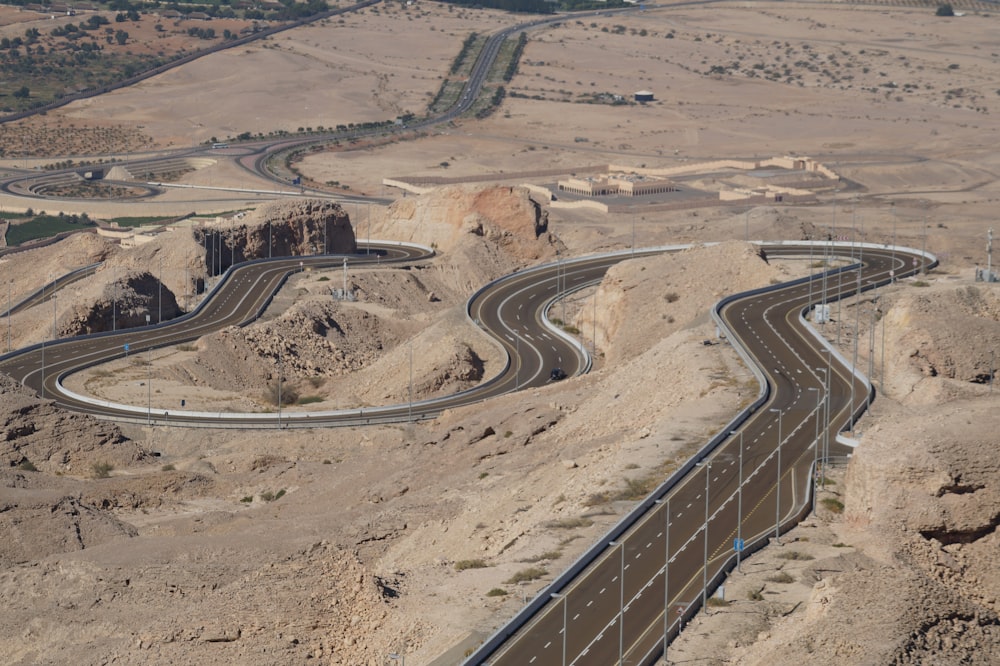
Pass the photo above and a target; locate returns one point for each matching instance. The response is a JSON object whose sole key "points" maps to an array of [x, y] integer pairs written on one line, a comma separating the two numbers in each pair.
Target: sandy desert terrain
{"points": [[343, 546]]}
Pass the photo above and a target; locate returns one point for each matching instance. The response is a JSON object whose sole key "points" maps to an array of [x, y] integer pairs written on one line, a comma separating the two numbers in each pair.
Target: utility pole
{"points": [[704, 569], [816, 443], [149, 382], [871, 345], [159, 295], [43, 353], [666, 575], [777, 486], [892, 265], [739, 512], [923, 251], [989, 255]]}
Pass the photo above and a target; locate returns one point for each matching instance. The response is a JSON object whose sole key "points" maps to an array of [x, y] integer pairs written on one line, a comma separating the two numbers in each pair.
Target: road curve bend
{"points": [[623, 599]]}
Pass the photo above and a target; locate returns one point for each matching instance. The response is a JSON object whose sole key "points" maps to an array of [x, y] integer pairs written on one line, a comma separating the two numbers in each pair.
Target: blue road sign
{"points": [[738, 545], [126, 346]]}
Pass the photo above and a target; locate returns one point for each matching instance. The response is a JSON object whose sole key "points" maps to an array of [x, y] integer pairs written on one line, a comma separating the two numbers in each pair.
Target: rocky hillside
{"points": [[341, 546]]}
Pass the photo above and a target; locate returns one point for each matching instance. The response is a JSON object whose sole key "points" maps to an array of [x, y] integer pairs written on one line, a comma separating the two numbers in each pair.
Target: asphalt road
{"points": [[614, 611]]}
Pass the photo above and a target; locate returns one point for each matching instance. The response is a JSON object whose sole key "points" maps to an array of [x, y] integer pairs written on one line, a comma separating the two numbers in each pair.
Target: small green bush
{"points": [[795, 555], [717, 602], [309, 399], [596, 499], [101, 470], [755, 595], [167, 468], [27, 466], [497, 592], [247, 500], [463, 565], [832, 504], [526, 575]]}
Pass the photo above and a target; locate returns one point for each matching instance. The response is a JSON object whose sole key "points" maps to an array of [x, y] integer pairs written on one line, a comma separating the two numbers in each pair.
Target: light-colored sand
{"points": [[900, 102]]}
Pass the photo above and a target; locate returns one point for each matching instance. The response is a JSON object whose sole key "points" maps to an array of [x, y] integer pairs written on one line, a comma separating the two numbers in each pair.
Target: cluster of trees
{"points": [[515, 59]]}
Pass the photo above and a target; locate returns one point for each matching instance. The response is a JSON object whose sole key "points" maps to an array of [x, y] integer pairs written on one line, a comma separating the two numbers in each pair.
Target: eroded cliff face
{"points": [[931, 485], [284, 228], [921, 498]]}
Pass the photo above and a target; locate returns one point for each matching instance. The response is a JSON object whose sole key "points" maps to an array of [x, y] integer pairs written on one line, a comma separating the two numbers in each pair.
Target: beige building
{"points": [[624, 185]]}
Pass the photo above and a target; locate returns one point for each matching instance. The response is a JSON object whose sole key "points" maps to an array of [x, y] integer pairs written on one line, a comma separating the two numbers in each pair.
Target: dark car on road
{"points": [[557, 374]]}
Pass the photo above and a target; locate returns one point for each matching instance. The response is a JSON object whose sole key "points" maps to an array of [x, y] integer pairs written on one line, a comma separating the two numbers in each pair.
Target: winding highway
{"points": [[622, 599]]}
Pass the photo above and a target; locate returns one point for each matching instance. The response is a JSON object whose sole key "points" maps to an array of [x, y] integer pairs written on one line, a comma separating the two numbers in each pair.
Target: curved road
{"points": [[616, 605], [610, 607]]}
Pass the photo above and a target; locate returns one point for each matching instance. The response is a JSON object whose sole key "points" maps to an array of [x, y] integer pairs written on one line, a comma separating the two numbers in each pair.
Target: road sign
{"points": [[739, 545], [126, 347]]}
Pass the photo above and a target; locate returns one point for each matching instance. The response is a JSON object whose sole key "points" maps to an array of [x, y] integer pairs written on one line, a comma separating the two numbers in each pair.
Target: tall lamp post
{"points": [[621, 601], [279, 389], [704, 570], [816, 443], [666, 575], [565, 603], [149, 382], [43, 353], [739, 510], [159, 296], [777, 486]]}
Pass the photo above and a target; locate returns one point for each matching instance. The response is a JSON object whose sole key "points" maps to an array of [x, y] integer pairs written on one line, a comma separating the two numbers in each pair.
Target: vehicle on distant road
{"points": [[557, 374]]}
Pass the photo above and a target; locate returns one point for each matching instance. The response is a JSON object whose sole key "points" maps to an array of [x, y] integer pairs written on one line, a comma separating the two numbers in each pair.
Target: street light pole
{"points": [[777, 486], [739, 511], [43, 353], [621, 602], [666, 575], [565, 601], [816, 443], [704, 570], [149, 382], [871, 343]]}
